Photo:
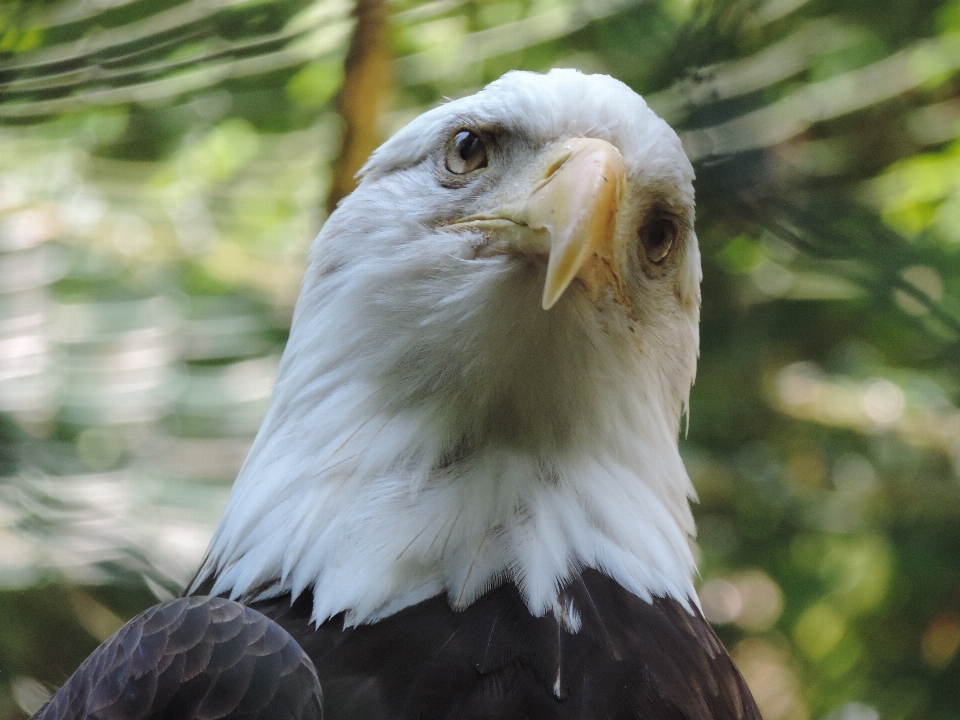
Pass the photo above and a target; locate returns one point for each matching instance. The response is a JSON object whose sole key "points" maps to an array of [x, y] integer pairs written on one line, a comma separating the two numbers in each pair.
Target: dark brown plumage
{"points": [[630, 660], [195, 658]]}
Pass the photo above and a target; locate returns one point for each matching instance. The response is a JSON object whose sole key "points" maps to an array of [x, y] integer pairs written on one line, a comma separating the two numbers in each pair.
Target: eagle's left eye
{"points": [[465, 153]]}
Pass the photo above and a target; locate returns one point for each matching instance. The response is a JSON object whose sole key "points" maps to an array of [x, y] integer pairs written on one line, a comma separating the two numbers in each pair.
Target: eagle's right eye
{"points": [[465, 153], [658, 235]]}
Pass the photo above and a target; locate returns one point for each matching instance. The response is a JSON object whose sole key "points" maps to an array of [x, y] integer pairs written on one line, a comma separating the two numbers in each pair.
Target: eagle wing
{"points": [[190, 659]]}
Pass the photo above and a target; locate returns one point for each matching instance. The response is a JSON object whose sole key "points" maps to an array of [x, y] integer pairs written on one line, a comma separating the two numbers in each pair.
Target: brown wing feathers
{"points": [[196, 658]]}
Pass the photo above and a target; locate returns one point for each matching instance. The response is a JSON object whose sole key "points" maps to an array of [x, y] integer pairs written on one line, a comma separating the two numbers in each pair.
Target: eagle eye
{"points": [[465, 153], [658, 235]]}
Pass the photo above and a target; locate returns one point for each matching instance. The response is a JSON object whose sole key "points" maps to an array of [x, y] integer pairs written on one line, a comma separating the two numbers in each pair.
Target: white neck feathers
{"points": [[454, 443]]}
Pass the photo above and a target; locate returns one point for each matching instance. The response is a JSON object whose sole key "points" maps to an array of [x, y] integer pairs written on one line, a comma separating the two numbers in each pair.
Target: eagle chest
{"points": [[629, 659]]}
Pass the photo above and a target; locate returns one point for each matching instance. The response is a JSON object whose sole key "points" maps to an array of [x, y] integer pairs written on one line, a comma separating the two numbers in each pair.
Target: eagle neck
{"points": [[398, 466]]}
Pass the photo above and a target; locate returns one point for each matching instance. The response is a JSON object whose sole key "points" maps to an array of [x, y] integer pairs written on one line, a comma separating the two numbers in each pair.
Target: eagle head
{"points": [[487, 367]]}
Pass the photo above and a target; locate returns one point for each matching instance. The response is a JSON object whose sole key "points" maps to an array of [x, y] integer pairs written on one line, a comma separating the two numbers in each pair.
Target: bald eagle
{"points": [[467, 498]]}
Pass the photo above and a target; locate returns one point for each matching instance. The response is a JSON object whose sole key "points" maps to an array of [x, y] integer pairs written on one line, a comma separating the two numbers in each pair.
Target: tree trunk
{"points": [[366, 80]]}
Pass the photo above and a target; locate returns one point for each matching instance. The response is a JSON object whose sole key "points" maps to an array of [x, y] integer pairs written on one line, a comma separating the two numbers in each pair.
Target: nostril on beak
{"points": [[557, 163]]}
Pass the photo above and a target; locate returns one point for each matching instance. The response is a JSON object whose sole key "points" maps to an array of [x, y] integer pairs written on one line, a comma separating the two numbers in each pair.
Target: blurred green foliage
{"points": [[164, 166]]}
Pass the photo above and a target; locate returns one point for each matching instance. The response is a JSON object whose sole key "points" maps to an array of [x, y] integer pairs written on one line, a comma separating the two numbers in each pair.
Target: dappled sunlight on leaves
{"points": [[164, 167]]}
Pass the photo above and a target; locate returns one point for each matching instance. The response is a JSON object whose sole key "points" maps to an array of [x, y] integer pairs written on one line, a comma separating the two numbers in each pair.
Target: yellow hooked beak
{"points": [[569, 216], [577, 203]]}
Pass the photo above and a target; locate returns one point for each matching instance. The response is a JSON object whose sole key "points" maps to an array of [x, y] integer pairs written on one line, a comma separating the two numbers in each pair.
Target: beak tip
{"points": [[549, 299]]}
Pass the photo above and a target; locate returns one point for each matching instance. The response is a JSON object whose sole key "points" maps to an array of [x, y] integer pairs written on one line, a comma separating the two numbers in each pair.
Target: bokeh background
{"points": [[164, 166]]}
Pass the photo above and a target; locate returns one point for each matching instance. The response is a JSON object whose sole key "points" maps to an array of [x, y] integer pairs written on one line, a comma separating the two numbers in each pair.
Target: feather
{"points": [[629, 659], [192, 658]]}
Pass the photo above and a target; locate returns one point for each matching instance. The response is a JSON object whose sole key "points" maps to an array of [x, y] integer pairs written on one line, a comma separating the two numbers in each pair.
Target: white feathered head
{"points": [[487, 367]]}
